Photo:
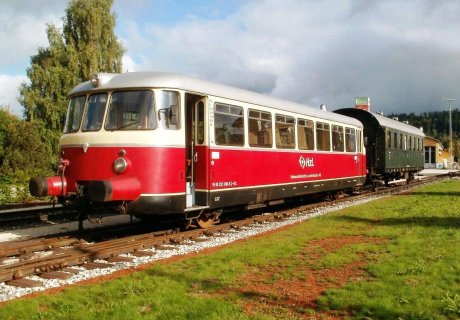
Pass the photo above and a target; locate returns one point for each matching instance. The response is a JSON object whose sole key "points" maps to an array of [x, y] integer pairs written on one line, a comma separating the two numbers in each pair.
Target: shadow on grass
{"points": [[440, 222]]}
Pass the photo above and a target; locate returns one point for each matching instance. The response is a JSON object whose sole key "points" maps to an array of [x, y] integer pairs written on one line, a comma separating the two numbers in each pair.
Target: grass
{"points": [[405, 248]]}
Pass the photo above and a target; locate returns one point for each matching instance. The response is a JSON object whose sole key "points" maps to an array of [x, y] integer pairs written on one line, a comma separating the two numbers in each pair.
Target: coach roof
{"points": [[131, 80], [381, 120]]}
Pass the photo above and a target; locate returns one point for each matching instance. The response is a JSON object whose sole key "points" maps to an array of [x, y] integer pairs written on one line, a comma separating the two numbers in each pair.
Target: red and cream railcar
{"points": [[158, 143]]}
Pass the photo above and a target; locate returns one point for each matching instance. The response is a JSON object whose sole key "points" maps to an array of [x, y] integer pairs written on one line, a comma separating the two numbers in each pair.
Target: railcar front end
{"points": [[122, 149]]}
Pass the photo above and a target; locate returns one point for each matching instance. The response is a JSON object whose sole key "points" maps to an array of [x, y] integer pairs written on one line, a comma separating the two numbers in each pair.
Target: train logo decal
{"points": [[306, 162]]}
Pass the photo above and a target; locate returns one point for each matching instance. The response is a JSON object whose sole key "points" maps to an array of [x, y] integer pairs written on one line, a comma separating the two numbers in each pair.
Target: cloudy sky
{"points": [[405, 55]]}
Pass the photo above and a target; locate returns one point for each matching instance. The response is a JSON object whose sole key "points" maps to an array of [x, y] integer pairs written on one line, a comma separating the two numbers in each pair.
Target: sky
{"points": [[404, 55]]}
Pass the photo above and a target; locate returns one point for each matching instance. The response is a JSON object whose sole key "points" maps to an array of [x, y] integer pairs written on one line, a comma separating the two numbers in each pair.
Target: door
{"points": [[197, 151]]}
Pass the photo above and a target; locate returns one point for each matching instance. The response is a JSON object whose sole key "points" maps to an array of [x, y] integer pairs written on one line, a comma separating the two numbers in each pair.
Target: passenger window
{"points": [[388, 139], [337, 138], [395, 140], [229, 125], [350, 139], [305, 134], [400, 141], [260, 129], [168, 110], [284, 130], [95, 109], [323, 137], [405, 142]]}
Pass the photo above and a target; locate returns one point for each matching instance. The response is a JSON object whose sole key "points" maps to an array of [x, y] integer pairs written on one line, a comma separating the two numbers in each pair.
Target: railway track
{"points": [[29, 263], [21, 213]]}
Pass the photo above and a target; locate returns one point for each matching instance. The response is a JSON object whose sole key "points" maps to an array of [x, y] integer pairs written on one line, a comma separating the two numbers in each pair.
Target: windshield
{"points": [[94, 112], [74, 113], [131, 110]]}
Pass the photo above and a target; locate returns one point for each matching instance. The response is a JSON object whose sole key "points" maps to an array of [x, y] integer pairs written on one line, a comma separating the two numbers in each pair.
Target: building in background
{"points": [[435, 154]]}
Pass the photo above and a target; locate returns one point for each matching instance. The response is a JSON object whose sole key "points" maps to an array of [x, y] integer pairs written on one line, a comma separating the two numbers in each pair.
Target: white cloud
{"points": [[23, 26], [10, 93], [403, 54]]}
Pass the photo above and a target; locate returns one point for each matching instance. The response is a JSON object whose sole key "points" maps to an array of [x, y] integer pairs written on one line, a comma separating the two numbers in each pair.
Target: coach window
{"points": [[94, 115], [305, 134], [400, 141], [229, 125], [405, 142], [260, 128], [323, 136], [395, 140], [131, 110], [284, 131], [350, 139], [337, 138], [168, 110], [74, 113], [388, 138]]}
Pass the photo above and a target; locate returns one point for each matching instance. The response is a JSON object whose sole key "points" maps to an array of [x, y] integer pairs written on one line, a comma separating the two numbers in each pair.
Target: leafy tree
{"points": [[23, 153], [86, 45]]}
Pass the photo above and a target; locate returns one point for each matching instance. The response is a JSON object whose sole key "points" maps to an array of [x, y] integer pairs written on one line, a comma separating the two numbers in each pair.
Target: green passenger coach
{"points": [[394, 149]]}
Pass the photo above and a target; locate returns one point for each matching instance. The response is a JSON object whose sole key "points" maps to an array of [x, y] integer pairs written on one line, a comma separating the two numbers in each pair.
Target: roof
{"points": [[382, 121], [132, 80]]}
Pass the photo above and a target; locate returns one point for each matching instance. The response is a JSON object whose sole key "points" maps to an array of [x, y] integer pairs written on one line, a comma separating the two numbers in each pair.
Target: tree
{"points": [[23, 152], [87, 45]]}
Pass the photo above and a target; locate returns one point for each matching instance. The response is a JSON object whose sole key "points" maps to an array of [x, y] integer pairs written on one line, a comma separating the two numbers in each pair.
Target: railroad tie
{"points": [[56, 275], [24, 283], [96, 265]]}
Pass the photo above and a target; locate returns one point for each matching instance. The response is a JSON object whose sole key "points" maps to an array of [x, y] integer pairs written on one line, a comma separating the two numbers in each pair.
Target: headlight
{"points": [[120, 165]]}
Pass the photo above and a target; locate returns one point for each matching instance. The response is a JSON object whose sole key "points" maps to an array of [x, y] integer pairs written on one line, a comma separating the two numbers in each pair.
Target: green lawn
{"points": [[394, 258]]}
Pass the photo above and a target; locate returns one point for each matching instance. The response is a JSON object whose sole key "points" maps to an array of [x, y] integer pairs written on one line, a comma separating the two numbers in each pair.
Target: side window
{"points": [[168, 106], [260, 128], [350, 139], [337, 138], [400, 141], [395, 140], [323, 137], [285, 132], [228, 125], [74, 113], [388, 139], [95, 109], [305, 134]]}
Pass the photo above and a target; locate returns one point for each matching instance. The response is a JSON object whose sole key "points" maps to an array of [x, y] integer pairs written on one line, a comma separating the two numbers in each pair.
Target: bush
{"points": [[24, 153]]}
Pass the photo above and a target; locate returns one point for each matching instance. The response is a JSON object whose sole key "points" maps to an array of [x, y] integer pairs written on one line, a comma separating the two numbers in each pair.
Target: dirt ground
{"points": [[296, 293]]}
